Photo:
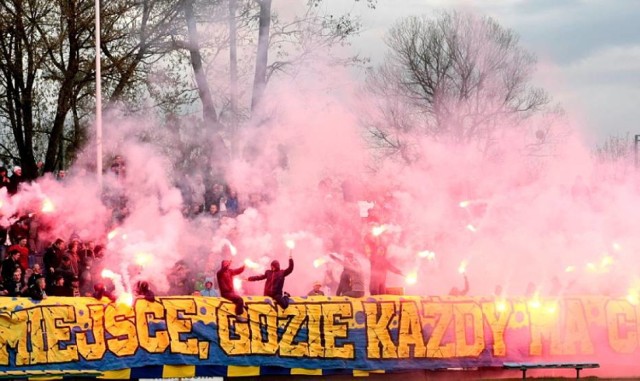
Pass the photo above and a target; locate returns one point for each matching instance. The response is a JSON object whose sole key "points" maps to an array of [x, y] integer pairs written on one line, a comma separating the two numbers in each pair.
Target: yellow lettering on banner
{"points": [[410, 332], [263, 324], [379, 317], [151, 313], [178, 322], [57, 320], [544, 327], [498, 323], [576, 329], [314, 330], [622, 326], [468, 317], [121, 325], [440, 316], [233, 336], [337, 330], [296, 315], [30, 324], [94, 321]]}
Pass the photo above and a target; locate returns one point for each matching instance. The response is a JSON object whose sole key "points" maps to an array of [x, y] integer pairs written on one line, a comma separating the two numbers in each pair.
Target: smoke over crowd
{"points": [[515, 221]]}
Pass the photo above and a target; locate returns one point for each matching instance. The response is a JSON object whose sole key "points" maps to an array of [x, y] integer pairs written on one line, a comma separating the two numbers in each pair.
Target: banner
{"points": [[385, 333]]}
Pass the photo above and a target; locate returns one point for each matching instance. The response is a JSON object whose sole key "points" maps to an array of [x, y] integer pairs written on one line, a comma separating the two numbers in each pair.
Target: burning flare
{"points": [[319, 262], [47, 206], [112, 234], [106, 273], [237, 284], [633, 297], [143, 259], [250, 264], [463, 267], [125, 298], [411, 278], [291, 244], [430, 255], [378, 230]]}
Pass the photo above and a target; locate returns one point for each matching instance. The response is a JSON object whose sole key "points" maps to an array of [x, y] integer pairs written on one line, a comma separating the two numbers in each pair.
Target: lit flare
{"points": [[143, 259], [251, 264], [125, 298], [232, 249], [112, 234], [319, 262], [411, 278], [291, 244], [430, 255], [378, 230], [463, 267], [47, 206], [237, 284], [106, 273]]}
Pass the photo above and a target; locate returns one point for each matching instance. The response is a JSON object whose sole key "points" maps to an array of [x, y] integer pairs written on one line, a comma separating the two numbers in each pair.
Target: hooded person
{"points": [[225, 283], [144, 291], [274, 284], [100, 291]]}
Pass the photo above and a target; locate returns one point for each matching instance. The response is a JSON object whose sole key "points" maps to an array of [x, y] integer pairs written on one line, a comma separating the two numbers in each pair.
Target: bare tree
{"points": [[457, 76], [262, 52]]}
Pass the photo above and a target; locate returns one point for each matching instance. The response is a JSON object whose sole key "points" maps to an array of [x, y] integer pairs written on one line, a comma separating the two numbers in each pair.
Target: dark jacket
{"points": [[225, 279], [8, 267], [55, 290], [275, 280], [52, 258], [35, 293], [14, 288], [14, 183]]}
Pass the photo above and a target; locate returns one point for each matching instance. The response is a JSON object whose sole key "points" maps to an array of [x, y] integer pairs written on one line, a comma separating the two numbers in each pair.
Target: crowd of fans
{"points": [[70, 266]]}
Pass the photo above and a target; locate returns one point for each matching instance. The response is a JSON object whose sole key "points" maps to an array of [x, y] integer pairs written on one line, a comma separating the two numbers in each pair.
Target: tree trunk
{"points": [[66, 92], [208, 109], [233, 71], [262, 55]]}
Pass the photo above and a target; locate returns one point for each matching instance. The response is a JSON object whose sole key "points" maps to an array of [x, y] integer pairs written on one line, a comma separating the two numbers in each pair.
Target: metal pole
{"points": [[98, 100]]}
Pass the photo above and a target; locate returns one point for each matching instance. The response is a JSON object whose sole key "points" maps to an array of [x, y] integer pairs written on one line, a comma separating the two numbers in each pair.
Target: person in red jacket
{"points": [[21, 246], [225, 283], [275, 282]]}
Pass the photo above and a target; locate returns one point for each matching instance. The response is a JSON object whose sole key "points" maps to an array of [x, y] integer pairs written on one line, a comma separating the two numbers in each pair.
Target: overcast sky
{"points": [[588, 50]]}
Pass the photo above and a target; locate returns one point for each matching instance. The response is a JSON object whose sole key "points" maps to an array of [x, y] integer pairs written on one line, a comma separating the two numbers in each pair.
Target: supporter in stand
{"points": [[351, 279], [316, 290], [14, 286], [10, 264], [21, 246], [52, 258], [225, 282], [274, 281], [59, 287], [36, 273], [208, 289], [37, 290], [143, 291], [100, 291]]}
